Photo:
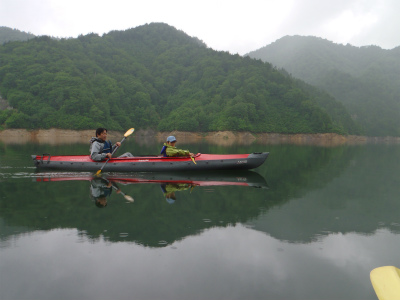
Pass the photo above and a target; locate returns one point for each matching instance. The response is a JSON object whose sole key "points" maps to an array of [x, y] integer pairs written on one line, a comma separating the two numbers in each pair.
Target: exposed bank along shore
{"points": [[223, 138]]}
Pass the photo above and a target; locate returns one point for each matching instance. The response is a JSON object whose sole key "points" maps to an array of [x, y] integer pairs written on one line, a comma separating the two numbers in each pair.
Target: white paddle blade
{"points": [[129, 198]]}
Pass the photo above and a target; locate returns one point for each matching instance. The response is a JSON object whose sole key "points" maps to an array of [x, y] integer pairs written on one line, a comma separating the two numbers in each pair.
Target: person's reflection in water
{"points": [[100, 189], [169, 190]]}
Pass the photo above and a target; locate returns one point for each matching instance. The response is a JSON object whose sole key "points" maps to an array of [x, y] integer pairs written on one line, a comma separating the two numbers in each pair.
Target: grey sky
{"points": [[228, 25]]}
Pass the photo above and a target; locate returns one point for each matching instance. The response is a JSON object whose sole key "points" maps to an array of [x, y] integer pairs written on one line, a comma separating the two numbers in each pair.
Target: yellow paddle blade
{"points": [[98, 172], [386, 282], [129, 132], [193, 160]]}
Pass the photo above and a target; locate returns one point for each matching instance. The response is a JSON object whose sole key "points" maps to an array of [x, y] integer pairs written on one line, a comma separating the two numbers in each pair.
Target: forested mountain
{"points": [[155, 76], [7, 34], [365, 79]]}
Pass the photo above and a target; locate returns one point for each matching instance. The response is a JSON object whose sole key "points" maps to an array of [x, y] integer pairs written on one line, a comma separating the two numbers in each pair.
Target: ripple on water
{"points": [[16, 175], [35, 176]]}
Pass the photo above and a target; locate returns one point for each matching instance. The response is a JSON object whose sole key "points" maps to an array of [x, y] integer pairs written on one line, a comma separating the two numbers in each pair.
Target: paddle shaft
{"points": [[112, 153], [127, 197]]}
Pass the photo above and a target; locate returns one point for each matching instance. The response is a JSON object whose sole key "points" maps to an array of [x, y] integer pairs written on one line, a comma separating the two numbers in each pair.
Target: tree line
{"points": [[155, 76]]}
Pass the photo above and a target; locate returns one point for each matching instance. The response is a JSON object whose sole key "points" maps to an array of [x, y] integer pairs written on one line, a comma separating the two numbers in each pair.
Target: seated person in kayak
{"points": [[101, 148], [169, 148]]}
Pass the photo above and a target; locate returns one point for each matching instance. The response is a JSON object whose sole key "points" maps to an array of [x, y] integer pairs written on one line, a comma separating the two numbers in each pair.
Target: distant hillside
{"points": [[155, 76], [366, 79], [7, 34]]}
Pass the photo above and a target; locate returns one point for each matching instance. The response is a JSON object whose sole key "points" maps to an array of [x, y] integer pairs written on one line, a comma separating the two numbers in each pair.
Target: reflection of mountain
{"points": [[363, 199], [8, 231], [311, 191], [62, 201]]}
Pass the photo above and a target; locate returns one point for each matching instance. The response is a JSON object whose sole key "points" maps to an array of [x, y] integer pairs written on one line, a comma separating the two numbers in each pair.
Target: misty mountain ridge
{"points": [[365, 79], [305, 51], [8, 35]]}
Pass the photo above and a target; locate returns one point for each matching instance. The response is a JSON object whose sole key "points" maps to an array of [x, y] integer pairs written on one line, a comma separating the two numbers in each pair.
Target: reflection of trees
{"points": [[311, 186], [362, 199], [291, 172]]}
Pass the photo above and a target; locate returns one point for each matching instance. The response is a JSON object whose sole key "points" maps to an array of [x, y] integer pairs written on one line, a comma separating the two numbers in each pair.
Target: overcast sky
{"points": [[237, 26]]}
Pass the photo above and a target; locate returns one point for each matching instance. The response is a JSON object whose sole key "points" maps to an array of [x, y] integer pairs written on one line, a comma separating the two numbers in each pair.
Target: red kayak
{"points": [[149, 163]]}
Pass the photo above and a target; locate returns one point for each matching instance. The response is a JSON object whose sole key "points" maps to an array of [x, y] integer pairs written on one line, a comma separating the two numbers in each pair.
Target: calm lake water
{"points": [[311, 223]]}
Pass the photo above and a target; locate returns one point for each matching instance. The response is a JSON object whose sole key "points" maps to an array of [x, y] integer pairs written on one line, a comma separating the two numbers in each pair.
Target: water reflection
{"points": [[327, 217], [71, 200], [317, 191], [169, 189], [101, 187]]}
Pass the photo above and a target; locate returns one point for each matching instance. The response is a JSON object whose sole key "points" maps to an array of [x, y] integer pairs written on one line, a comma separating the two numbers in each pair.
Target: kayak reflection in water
{"points": [[169, 190]]}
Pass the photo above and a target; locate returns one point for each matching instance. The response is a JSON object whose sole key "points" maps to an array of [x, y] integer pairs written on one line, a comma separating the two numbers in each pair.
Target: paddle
{"points": [[128, 133], [193, 160], [127, 197], [386, 282]]}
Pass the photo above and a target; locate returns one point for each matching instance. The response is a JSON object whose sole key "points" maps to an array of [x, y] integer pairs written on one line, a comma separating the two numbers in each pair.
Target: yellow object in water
{"points": [[386, 282]]}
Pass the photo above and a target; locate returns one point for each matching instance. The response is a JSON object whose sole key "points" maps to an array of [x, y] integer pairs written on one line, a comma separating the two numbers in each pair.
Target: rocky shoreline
{"points": [[224, 138]]}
